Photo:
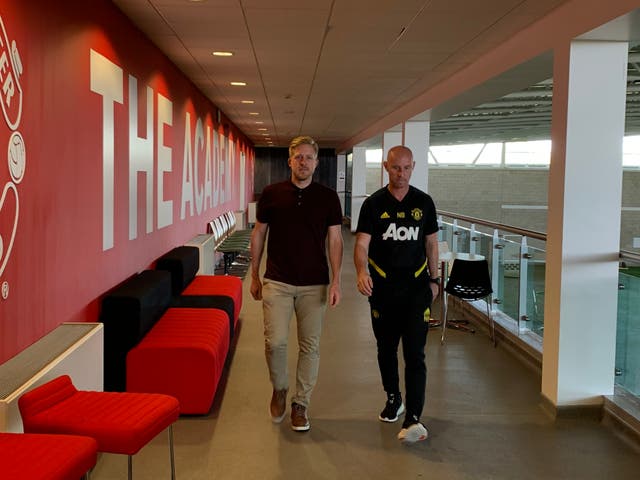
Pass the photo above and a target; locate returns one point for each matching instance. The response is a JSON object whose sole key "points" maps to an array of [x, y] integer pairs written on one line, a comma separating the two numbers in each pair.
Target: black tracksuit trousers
{"points": [[398, 312]]}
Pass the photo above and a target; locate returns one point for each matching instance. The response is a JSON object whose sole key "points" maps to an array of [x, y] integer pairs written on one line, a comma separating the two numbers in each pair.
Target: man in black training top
{"points": [[396, 259]]}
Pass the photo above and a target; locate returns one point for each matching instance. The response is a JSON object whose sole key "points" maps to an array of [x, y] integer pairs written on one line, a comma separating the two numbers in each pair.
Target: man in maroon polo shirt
{"points": [[302, 219]]}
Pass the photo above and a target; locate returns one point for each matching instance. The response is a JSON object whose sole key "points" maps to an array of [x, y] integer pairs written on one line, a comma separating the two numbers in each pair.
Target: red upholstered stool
{"points": [[218, 285], [27, 456], [183, 356], [120, 422]]}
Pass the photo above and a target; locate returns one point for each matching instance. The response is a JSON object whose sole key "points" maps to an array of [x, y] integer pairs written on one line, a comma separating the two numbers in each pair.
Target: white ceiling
{"points": [[332, 68]]}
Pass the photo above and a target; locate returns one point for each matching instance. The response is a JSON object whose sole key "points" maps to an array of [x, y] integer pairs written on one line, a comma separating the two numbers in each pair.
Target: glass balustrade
{"points": [[517, 261], [535, 260], [510, 277], [519, 297], [627, 369]]}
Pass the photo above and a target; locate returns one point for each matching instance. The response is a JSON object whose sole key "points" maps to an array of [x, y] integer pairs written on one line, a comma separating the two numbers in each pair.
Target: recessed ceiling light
{"points": [[262, 129], [259, 122], [223, 54], [239, 84], [254, 113], [247, 101], [265, 134]]}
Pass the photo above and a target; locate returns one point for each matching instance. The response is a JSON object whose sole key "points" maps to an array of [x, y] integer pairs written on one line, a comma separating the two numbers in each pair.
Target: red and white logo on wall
{"points": [[11, 100]]}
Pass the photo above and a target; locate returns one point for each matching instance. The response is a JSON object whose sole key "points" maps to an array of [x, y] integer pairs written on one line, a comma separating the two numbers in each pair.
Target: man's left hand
{"points": [[334, 295]]}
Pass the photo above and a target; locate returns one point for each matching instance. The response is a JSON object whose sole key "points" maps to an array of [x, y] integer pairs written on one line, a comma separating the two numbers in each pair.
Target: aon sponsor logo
{"points": [[400, 233]]}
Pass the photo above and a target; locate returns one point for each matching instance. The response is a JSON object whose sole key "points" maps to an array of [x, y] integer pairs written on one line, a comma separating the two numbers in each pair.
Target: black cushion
{"points": [[128, 312], [183, 264]]}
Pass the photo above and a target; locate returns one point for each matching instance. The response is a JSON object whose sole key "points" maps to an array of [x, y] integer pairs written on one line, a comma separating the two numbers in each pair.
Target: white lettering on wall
{"points": [[11, 69], [140, 159], [199, 147], [223, 172], [216, 171], [6, 80], [106, 80], [203, 191], [208, 157], [187, 171], [208, 171], [165, 117]]}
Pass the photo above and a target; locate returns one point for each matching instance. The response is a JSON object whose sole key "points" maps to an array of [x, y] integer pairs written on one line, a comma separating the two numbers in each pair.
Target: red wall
{"points": [[60, 247]]}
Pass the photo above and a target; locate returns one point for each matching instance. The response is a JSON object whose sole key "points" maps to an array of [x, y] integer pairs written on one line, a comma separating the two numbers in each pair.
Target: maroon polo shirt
{"points": [[298, 221]]}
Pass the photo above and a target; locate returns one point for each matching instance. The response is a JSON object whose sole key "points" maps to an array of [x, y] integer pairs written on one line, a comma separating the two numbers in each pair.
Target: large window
{"points": [[457, 154], [535, 153], [631, 151]]}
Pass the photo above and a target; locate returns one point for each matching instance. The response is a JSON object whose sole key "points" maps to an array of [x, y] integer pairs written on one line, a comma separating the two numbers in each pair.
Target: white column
{"points": [[390, 138], [585, 182], [416, 137], [358, 183], [341, 175]]}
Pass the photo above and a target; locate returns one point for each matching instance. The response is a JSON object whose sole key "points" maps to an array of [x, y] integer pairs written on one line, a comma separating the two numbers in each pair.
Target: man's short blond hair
{"points": [[302, 140]]}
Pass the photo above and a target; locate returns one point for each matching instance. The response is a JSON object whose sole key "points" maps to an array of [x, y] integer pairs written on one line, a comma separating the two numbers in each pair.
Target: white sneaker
{"points": [[413, 433]]}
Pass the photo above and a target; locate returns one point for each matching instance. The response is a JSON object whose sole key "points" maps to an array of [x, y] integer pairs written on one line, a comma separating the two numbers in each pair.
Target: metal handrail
{"points": [[500, 226], [628, 255], [624, 254]]}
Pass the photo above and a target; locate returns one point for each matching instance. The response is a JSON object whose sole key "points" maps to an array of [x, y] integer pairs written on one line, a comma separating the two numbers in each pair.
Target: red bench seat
{"points": [[119, 422], [198, 291], [46, 457], [183, 355], [224, 285]]}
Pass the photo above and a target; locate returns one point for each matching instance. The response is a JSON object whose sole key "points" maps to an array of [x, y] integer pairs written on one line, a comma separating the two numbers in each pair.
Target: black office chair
{"points": [[469, 280]]}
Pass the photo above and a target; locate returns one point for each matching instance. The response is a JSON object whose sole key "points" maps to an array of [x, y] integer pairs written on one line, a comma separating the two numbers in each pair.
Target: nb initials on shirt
{"points": [[400, 233]]}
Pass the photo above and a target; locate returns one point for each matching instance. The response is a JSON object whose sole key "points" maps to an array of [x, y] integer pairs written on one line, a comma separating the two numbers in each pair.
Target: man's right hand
{"points": [[256, 289], [365, 284]]}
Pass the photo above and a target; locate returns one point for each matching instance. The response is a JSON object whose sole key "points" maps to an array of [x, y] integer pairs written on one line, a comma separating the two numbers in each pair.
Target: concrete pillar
{"points": [[358, 183], [416, 137], [341, 177], [585, 184], [390, 139]]}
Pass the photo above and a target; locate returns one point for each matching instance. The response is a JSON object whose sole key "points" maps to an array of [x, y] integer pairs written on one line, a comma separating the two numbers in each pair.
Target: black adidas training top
{"points": [[398, 230]]}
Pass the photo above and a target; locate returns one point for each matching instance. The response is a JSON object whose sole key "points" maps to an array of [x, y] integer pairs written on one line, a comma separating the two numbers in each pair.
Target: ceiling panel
{"points": [[333, 68]]}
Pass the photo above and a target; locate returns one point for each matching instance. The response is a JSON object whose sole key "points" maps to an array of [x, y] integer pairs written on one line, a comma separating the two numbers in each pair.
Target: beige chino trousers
{"points": [[279, 302]]}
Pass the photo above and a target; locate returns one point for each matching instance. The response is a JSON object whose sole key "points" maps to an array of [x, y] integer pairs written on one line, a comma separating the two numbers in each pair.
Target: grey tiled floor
{"points": [[483, 414]]}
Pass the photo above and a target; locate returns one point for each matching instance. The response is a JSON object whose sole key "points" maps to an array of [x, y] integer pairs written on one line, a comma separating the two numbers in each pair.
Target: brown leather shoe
{"points": [[278, 405], [299, 420]]}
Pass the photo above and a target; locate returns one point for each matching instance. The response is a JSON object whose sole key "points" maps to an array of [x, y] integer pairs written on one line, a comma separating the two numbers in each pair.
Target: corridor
{"points": [[483, 415]]}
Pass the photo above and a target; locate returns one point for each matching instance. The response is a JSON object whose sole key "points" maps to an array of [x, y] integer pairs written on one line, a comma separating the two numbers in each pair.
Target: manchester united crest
{"points": [[416, 213]]}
